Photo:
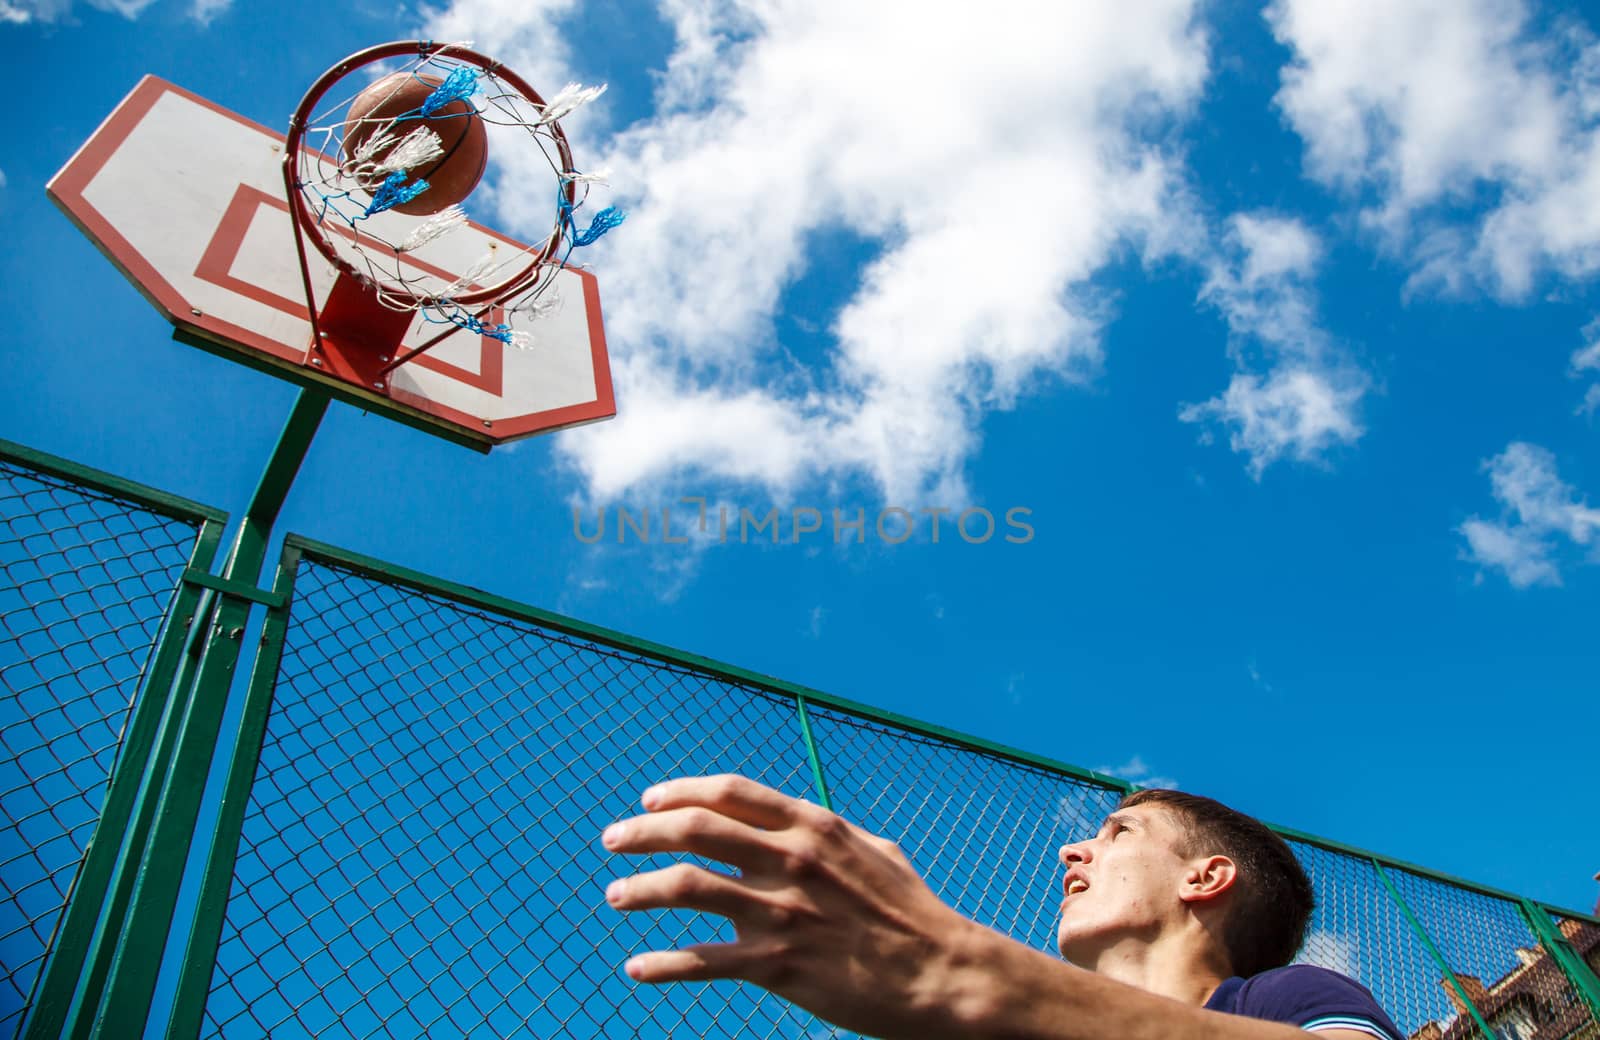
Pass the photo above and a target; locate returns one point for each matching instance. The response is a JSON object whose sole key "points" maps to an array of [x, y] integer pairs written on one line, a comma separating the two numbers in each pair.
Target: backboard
{"points": [[187, 200]]}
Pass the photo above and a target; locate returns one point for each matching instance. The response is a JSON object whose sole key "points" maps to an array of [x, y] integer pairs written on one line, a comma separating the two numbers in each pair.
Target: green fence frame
{"points": [[122, 903], [147, 740], [207, 926]]}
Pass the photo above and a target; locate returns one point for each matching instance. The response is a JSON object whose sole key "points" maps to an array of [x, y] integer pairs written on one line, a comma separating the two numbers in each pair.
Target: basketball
{"points": [[392, 106]]}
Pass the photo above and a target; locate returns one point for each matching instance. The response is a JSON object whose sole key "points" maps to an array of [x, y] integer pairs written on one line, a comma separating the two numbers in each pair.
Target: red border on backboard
{"points": [[216, 267], [67, 189]]}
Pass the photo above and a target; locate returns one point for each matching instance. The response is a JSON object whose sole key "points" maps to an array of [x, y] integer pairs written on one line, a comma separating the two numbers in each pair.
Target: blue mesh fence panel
{"points": [[420, 852], [985, 831], [420, 855], [1517, 987], [87, 578], [1359, 930]]}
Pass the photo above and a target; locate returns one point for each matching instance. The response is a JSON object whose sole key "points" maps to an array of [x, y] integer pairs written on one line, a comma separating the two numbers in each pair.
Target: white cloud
{"points": [[2, 179], [205, 11], [526, 34], [1522, 554], [1591, 400], [1472, 141], [1539, 512], [997, 164], [1295, 394], [1291, 410], [1135, 771], [21, 12], [1585, 364], [1332, 950], [814, 628]]}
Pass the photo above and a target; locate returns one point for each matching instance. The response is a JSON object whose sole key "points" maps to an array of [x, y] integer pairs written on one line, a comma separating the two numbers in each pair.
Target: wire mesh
{"points": [[1584, 938], [1358, 929], [87, 580], [985, 831], [420, 854], [1519, 989]]}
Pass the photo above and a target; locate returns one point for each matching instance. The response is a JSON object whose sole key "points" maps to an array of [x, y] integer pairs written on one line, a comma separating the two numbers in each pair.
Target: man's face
{"points": [[1122, 883]]}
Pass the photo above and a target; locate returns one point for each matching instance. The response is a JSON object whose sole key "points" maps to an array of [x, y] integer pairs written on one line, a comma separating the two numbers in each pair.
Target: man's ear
{"points": [[1206, 879]]}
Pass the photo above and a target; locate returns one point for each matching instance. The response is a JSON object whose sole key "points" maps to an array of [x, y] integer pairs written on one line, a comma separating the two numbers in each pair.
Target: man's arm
{"points": [[836, 920]]}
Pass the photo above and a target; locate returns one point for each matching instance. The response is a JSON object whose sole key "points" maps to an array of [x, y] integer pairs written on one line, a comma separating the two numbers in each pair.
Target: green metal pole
{"points": [[1583, 980], [119, 886], [205, 933], [141, 748], [125, 958], [250, 547], [817, 776], [1433, 951]]}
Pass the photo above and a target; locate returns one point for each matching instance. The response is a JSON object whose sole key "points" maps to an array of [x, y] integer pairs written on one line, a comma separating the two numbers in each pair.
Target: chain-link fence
{"points": [[419, 854], [406, 844], [1582, 947], [1359, 929], [90, 568]]}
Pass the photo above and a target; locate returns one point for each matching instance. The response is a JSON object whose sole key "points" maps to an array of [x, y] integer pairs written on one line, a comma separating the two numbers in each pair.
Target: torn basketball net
{"points": [[361, 162]]}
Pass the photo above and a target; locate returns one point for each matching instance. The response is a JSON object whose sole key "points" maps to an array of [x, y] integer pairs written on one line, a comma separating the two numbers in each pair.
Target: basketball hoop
{"points": [[373, 178]]}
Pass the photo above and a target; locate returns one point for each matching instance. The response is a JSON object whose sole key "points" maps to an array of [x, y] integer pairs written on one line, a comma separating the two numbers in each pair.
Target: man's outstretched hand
{"points": [[835, 920], [826, 915]]}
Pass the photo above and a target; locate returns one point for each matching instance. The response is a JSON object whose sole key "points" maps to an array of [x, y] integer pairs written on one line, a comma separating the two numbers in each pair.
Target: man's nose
{"points": [[1077, 852]]}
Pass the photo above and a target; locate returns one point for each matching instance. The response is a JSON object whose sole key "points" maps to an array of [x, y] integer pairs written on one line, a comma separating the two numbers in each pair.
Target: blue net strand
{"points": [[469, 322], [501, 332], [603, 221], [381, 187], [394, 191], [458, 86]]}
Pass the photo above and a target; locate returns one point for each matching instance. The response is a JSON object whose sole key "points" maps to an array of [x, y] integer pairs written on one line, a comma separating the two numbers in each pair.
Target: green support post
{"points": [[205, 933], [124, 959], [1433, 951], [250, 547], [1583, 980], [817, 776], [143, 748]]}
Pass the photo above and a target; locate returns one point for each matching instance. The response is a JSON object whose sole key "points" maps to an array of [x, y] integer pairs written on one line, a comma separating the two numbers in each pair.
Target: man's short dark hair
{"points": [[1272, 899]]}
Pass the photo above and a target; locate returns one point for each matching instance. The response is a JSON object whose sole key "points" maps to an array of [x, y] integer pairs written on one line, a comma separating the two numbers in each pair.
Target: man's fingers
{"points": [[735, 796], [698, 830], [690, 964], [684, 886]]}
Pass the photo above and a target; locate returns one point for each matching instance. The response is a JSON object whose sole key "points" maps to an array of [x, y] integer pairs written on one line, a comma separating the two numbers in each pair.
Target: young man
{"points": [[1164, 913]]}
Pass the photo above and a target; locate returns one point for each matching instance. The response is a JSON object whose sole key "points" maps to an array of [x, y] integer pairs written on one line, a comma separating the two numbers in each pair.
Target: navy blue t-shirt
{"points": [[1306, 996]]}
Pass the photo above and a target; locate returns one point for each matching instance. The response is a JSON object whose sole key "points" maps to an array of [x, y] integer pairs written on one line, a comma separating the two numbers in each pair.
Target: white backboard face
{"points": [[187, 199]]}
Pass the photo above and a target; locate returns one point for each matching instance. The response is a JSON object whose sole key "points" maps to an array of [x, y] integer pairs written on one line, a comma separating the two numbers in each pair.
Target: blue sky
{"points": [[1282, 326]]}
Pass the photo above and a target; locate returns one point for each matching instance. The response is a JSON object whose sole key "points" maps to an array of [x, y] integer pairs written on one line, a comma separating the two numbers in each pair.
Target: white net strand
{"points": [[435, 227], [572, 97], [353, 170]]}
